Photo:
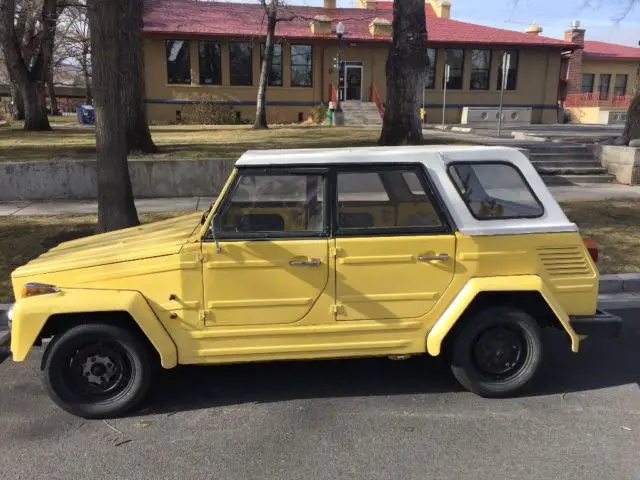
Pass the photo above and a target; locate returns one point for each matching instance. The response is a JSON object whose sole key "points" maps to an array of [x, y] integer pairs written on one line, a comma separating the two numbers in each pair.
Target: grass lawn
{"points": [[612, 224], [179, 141]]}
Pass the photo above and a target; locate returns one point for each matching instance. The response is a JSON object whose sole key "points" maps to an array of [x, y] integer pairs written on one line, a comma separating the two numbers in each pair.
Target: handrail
{"points": [[375, 96], [333, 94], [595, 100]]}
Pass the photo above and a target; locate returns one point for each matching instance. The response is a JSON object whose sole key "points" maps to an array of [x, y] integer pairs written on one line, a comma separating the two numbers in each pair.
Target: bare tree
{"points": [[27, 38], [132, 72], [406, 71], [271, 12], [73, 44], [116, 208]]}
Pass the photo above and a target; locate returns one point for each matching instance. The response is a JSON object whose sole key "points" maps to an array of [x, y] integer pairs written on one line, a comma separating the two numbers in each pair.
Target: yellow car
{"points": [[310, 254]]}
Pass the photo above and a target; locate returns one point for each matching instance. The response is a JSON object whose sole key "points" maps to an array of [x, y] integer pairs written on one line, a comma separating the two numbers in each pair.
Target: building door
{"points": [[352, 81]]}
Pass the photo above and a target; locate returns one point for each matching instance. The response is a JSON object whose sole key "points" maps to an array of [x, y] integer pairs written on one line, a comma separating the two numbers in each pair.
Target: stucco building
{"points": [[211, 51]]}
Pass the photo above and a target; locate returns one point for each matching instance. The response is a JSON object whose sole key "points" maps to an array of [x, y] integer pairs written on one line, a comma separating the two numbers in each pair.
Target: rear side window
{"points": [[495, 191]]}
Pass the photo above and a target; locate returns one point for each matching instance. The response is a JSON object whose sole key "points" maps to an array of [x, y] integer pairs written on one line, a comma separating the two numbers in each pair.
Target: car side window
{"points": [[391, 200], [270, 206], [495, 190]]}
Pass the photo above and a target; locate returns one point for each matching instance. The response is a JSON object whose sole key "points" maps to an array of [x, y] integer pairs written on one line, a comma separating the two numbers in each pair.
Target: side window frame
{"points": [[450, 168], [446, 227], [262, 236]]}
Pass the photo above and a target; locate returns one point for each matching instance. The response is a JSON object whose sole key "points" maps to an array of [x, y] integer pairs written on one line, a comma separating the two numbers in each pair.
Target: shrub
{"points": [[204, 111], [319, 114]]}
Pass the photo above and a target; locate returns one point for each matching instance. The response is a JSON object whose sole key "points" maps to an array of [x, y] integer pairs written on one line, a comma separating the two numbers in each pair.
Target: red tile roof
{"points": [[610, 51], [389, 6], [190, 18]]}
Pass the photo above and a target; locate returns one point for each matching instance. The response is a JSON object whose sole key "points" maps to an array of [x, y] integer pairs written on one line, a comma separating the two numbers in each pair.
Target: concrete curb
{"points": [[620, 283]]}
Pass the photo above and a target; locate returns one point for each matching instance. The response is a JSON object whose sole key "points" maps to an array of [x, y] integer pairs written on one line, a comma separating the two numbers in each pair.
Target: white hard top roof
{"points": [[324, 156], [436, 159]]}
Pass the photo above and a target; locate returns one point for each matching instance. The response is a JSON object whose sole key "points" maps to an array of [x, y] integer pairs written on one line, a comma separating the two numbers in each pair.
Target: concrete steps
{"points": [[568, 164], [361, 114]]}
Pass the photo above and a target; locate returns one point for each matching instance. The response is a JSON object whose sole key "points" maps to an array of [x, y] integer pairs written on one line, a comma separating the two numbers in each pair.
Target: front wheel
{"points": [[497, 352], [97, 370]]}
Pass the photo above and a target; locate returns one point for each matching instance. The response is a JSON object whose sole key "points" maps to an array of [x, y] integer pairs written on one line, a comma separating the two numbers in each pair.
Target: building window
{"points": [[241, 64], [480, 69], [301, 65], [588, 80], [620, 87], [454, 57], [275, 75], [605, 82], [512, 74], [178, 61], [209, 63], [431, 68]]}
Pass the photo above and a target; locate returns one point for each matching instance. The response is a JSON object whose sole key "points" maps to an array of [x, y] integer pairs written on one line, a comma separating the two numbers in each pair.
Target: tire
{"points": [[484, 359], [97, 370]]}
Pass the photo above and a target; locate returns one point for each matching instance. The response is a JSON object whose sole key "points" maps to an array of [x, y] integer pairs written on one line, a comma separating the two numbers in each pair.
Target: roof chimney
{"points": [[441, 7], [329, 3], [534, 29]]}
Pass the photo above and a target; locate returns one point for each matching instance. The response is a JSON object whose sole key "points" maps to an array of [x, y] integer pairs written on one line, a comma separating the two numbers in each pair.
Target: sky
{"points": [[601, 18]]}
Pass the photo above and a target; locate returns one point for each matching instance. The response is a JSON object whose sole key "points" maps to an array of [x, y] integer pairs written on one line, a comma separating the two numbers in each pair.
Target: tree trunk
{"points": [[29, 77], [406, 71], [51, 90], [18, 101], [261, 101], [632, 126], [116, 209], [35, 106], [132, 71]]}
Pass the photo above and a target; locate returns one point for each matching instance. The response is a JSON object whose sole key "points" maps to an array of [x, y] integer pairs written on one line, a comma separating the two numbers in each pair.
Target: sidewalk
{"points": [[592, 192]]}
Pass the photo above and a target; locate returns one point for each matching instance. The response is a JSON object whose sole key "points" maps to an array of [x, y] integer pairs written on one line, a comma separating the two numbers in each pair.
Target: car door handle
{"points": [[312, 262], [443, 257]]}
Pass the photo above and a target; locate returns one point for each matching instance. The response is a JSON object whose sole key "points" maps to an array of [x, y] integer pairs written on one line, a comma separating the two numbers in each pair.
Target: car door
{"points": [[395, 249], [267, 261]]}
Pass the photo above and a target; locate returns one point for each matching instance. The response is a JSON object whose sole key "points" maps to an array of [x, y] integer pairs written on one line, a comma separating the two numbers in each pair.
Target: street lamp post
{"points": [[338, 115]]}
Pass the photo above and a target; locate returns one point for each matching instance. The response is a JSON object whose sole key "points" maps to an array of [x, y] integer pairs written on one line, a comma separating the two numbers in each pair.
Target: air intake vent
{"points": [[561, 262]]}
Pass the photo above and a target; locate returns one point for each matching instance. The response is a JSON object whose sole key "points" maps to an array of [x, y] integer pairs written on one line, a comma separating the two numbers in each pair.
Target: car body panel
{"points": [[31, 314]]}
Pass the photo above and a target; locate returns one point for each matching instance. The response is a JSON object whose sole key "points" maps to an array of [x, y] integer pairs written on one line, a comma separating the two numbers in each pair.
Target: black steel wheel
{"points": [[497, 352], [97, 370]]}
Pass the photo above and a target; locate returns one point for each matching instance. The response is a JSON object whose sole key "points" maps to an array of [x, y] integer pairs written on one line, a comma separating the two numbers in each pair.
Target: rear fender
{"points": [[517, 283], [31, 314]]}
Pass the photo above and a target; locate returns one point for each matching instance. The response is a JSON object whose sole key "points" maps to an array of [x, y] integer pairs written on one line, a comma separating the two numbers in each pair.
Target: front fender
{"points": [[32, 313], [518, 283]]}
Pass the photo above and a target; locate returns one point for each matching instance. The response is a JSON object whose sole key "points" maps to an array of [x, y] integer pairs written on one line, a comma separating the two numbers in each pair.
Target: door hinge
{"points": [[336, 308], [203, 315], [202, 257], [335, 251]]}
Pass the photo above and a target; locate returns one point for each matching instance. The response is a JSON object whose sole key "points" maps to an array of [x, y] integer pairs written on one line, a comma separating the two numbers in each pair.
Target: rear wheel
{"points": [[497, 352], [97, 370]]}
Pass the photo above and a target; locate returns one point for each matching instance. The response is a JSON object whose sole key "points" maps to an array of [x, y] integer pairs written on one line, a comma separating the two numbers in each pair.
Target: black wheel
{"points": [[97, 370], [497, 352]]}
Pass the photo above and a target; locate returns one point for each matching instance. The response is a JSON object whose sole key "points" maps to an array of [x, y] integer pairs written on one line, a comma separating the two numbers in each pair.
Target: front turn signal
{"points": [[33, 289]]}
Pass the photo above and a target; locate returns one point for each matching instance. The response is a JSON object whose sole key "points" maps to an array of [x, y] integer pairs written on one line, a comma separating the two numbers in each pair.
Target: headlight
{"points": [[10, 316], [33, 289]]}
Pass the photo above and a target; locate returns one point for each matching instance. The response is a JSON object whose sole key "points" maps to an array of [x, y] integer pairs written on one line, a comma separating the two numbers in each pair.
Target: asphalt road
{"points": [[357, 419]]}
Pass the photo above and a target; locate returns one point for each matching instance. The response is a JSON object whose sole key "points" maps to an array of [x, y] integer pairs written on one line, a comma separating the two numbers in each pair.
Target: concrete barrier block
{"points": [[610, 284], [623, 162]]}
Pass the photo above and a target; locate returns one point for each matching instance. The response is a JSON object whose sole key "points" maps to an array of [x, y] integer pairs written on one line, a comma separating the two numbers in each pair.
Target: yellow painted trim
{"points": [[203, 230], [32, 313], [390, 297], [527, 283], [262, 302], [377, 259]]}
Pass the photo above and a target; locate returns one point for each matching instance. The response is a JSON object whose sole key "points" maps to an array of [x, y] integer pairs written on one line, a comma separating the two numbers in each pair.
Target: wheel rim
{"points": [[98, 372], [499, 352]]}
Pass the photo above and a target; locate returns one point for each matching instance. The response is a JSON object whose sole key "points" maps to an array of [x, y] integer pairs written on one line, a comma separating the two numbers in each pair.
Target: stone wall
{"points": [[65, 180], [623, 162]]}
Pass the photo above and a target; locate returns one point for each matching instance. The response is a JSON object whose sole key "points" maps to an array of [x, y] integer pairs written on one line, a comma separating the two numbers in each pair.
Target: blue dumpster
{"points": [[86, 115]]}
